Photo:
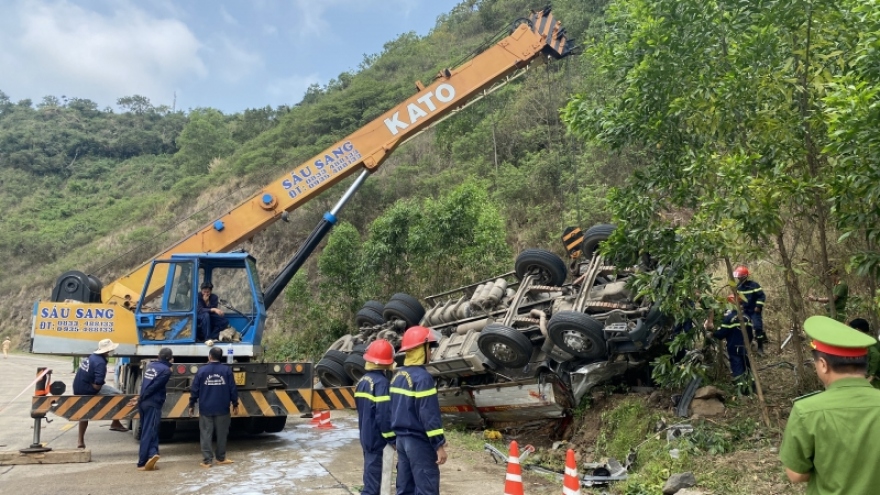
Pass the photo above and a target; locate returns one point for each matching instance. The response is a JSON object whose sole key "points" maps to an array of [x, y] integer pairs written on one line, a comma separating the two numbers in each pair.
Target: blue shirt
{"points": [[374, 411], [92, 370], [154, 385], [415, 408], [214, 388], [213, 302], [752, 295], [730, 330]]}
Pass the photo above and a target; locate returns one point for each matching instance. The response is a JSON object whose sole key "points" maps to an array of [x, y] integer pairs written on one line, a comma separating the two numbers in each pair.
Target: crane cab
{"points": [[167, 311]]}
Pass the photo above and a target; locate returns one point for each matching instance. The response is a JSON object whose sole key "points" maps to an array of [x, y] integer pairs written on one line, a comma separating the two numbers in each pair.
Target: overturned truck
{"points": [[524, 345]]}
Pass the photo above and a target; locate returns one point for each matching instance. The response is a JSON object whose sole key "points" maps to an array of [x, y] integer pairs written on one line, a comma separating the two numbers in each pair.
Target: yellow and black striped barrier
{"points": [[252, 403], [84, 407], [324, 399]]}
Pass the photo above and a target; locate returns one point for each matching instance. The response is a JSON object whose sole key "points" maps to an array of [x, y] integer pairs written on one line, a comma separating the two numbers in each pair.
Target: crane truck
{"points": [[155, 305]]}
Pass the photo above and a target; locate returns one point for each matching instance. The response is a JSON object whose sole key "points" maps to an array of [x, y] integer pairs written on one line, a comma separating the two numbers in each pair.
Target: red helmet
{"points": [[740, 272], [379, 352], [417, 336]]}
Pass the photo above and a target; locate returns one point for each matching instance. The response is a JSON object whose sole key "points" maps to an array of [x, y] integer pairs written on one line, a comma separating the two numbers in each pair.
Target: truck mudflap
{"points": [[252, 403], [507, 402]]}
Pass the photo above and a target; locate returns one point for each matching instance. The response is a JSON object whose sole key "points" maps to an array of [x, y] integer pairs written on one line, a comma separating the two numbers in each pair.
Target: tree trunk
{"points": [[813, 158], [795, 305]]}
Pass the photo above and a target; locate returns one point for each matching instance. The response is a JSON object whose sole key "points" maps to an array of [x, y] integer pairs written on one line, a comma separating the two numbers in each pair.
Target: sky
{"points": [[225, 54]]}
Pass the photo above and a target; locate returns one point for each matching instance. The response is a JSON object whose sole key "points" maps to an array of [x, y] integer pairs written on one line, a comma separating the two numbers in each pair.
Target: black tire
{"points": [[546, 266], [166, 430], [595, 235], [332, 374], [410, 302], [254, 426], [336, 356], [369, 317], [355, 366], [274, 424], [359, 349], [398, 310], [505, 346], [374, 305], [578, 334]]}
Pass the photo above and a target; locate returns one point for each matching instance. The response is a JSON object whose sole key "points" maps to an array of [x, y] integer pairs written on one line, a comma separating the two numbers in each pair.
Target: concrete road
{"points": [[301, 459]]}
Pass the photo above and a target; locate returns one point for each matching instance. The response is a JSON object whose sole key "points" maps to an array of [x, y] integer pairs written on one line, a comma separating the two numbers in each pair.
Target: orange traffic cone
{"points": [[513, 482], [316, 417], [325, 421], [571, 484]]}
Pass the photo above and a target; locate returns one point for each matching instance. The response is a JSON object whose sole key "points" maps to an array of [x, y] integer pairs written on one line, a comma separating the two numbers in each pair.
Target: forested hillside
{"points": [[101, 190], [740, 134]]}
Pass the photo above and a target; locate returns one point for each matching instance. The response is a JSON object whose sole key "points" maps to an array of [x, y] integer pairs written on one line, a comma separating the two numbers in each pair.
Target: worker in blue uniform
{"points": [[415, 418], [374, 412], [753, 298], [90, 380], [736, 347], [213, 387], [211, 320], [149, 404]]}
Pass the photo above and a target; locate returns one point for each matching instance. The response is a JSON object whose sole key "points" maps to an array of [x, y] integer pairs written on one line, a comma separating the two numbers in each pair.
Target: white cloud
{"points": [[57, 47], [290, 90]]}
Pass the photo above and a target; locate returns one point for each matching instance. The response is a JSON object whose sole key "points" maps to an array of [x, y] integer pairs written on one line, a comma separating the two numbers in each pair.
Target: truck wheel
{"points": [[369, 317], [254, 426], [410, 301], [166, 430], [399, 310], [355, 366], [332, 374], [505, 346], [595, 235], [336, 356], [548, 268], [578, 334], [274, 424], [374, 305]]}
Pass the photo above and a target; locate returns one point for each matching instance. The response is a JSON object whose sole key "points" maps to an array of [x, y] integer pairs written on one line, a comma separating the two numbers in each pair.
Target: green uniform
{"points": [[833, 436]]}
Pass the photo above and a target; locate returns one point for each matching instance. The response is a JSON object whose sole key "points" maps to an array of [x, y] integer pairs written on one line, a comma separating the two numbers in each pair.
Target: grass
{"points": [[734, 455]]}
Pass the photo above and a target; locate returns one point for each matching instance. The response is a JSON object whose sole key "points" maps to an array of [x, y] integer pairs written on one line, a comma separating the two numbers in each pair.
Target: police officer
{"points": [[214, 389], [415, 418], [831, 438], [149, 405], [374, 412], [736, 348], [753, 299], [90, 380]]}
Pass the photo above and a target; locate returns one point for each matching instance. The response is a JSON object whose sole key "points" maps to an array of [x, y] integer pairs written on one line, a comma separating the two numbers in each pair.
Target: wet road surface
{"points": [[301, 459]]}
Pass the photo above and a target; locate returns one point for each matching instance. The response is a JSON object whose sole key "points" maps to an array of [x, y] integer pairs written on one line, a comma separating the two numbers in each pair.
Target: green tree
{"points": [[204, 138], [340, 270], [722, 100]]}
